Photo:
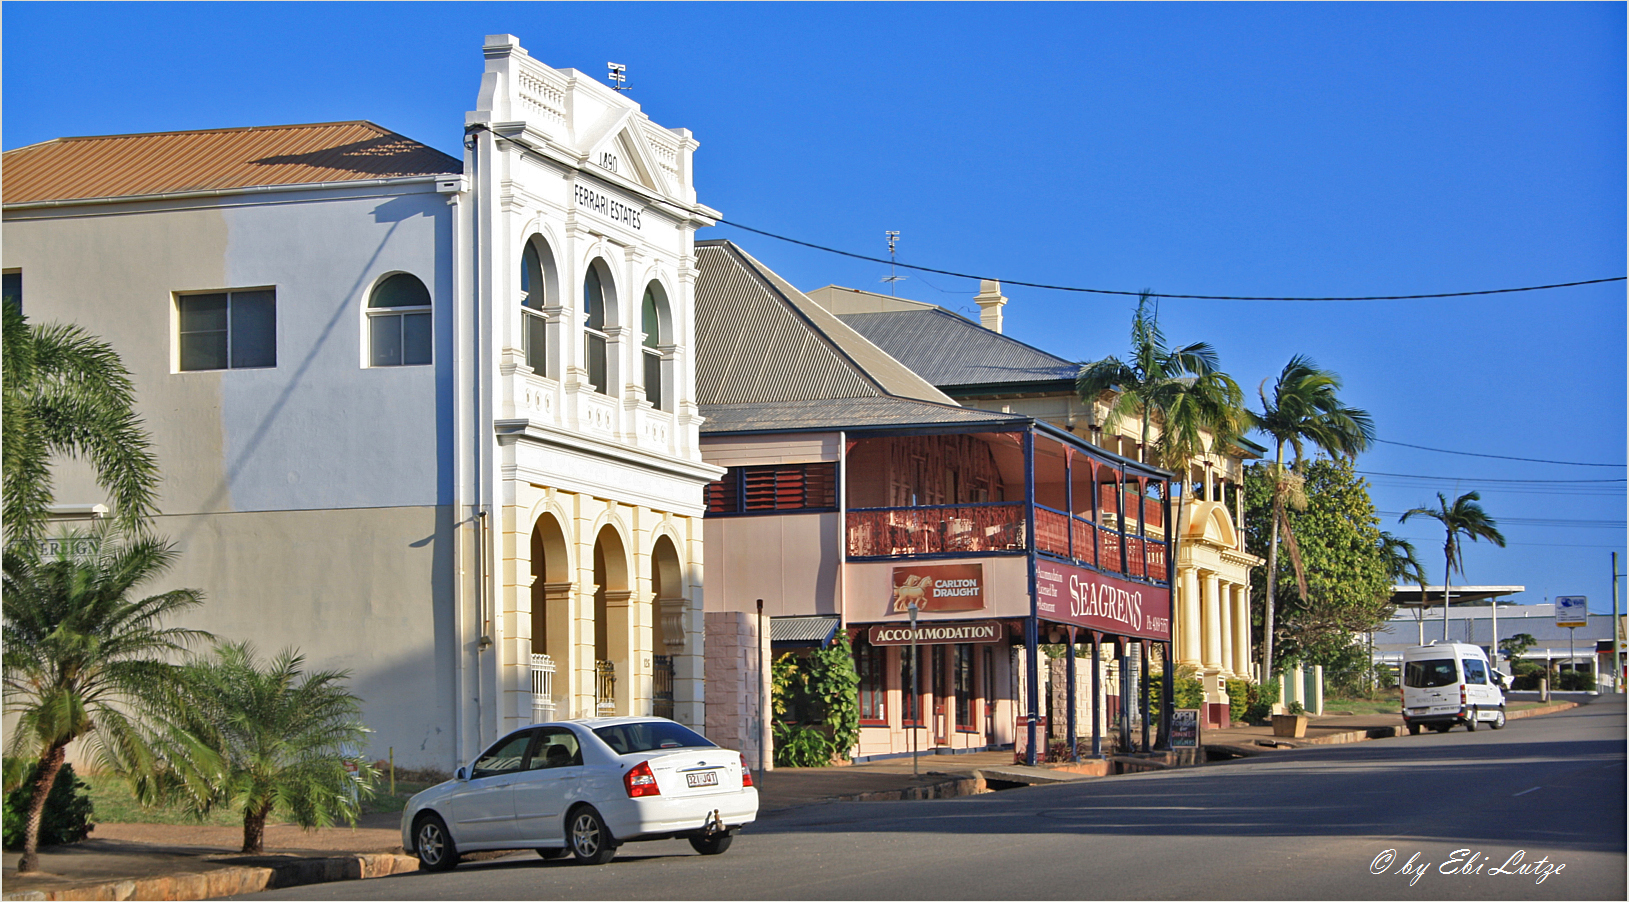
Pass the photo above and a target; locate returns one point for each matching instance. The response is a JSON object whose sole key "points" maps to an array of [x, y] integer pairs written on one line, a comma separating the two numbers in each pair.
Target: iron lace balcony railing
{"points": [[543, 708]]}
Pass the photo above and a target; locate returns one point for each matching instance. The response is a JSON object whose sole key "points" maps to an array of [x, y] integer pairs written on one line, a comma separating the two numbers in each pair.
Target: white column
{"points": [[1210, 611], [1224, 627], [1241, 631], [1188, 625]]}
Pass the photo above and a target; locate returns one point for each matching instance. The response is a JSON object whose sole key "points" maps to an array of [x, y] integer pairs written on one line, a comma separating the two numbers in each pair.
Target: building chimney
{"points": [[990, 302]]}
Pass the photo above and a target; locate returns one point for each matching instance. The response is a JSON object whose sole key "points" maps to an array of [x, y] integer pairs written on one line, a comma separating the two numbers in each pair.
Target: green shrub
{"points": [[67, 815], [797, 745], [1295, 708], [1238, 699], [1527, 676], [1576, 681], [1262, 697]]}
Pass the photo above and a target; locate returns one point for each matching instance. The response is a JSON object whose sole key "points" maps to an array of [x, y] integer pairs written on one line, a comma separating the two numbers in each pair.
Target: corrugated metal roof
{"points": [[950, 350], [842, 413], [758, 339], [815, 629], [214, 160]]}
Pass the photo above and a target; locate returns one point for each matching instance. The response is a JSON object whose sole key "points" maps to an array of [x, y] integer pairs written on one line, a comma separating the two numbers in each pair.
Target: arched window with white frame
{"points": [[534, 296], [594, 337], [399, 327], [653, 311]]}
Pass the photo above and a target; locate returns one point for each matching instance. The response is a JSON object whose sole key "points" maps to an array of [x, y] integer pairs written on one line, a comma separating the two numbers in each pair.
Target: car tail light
{"points": [[1462, 695], [640, 781], [746, 772]]}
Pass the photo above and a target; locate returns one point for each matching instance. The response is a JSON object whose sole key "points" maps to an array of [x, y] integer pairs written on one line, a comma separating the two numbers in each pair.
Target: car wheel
{"points": [[552, 854], [712, 845], [435, 846], [1470, 722], [1413, 729], [591, 842], [1499, 719]]}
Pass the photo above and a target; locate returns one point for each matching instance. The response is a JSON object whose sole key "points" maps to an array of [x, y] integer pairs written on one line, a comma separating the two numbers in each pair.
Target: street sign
{"points": [[1572, 610]]}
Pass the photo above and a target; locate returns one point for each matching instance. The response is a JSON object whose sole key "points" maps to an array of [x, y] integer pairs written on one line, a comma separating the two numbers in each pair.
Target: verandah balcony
{"points": [[954, 495]]}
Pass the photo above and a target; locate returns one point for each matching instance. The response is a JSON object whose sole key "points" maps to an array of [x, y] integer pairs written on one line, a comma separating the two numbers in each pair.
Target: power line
{"points": [[1529, 460], [1540, 521], [1483, 480], [1190, 297]]}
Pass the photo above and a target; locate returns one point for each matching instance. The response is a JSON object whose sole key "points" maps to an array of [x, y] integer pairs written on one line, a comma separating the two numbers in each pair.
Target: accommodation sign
{"points": [[942, 587], [1075, 595], [951, 633], [610, 208]]}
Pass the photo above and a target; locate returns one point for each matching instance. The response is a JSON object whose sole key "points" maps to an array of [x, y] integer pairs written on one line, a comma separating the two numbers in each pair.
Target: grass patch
{"points": [[1363, 706], [114, 803]]}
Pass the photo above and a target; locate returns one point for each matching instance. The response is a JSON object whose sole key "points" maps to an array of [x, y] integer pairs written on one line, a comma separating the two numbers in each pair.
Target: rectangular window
{"points": [[653, 381], [963, 662], [781, 487], [872, 664], [399, 339], [11, 288], [228, 330], [537, 342], [594, 353]]}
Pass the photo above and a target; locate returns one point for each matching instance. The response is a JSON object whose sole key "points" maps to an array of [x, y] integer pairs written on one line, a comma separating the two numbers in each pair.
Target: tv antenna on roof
{"points": [[892, 277], [617, 76]]}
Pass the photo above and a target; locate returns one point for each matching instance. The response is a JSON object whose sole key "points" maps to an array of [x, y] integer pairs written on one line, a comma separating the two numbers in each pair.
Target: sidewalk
{"points": [[159, 861]]}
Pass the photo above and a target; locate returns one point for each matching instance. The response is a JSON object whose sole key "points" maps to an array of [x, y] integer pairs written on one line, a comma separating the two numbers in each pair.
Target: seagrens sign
{"points": [[1068, 594]]}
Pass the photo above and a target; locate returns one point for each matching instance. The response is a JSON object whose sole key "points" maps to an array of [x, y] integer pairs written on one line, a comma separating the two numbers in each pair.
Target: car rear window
{"points": [[625, 738], [1430, 674]]}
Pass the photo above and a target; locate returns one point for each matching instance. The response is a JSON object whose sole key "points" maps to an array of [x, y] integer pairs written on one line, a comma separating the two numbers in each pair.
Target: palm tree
{"points": [[1183, 388], [65, 392], [82, 658], [1303, 408], [1403, 563], [1466, 517], [280, 740]]}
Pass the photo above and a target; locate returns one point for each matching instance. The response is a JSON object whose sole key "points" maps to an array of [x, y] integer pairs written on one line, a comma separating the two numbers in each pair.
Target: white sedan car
{"points": [[585, 787]]}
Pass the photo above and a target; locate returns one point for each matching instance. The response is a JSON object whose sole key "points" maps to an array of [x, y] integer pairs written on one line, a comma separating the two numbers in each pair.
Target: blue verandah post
{"points": [[1032, 625], [1074, 752], [1097, 694]]}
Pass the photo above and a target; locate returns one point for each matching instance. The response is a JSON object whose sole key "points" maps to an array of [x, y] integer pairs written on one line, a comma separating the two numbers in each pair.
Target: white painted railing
{"points": [[542, 688]]}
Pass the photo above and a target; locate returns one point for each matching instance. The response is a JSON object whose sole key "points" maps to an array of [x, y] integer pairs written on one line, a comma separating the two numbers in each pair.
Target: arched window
{"points": [[399, 322], [651, 314], [534, 326], [594, 330]]}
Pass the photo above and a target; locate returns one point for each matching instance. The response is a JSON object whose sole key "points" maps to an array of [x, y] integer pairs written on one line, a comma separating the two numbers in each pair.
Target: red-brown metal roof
{"points": [[214, 160]]}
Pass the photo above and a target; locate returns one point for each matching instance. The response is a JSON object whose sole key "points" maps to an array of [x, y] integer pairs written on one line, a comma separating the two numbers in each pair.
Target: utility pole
{"points": [[1617, 631], [916, 695]]}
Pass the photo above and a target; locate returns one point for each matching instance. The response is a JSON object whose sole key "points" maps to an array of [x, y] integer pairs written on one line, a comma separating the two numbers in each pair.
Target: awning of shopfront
{"points": [[812, 631]]}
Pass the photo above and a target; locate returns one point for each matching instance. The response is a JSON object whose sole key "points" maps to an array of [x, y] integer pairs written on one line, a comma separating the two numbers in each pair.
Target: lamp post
{"points": [[916, 696], [1617, 631]]}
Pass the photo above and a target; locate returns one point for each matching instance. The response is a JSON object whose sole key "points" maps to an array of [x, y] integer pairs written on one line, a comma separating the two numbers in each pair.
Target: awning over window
{"points": [[802, 632]]}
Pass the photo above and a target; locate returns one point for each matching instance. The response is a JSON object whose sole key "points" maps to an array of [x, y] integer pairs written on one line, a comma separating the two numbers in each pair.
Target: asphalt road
{"points": [[1534, 811]]}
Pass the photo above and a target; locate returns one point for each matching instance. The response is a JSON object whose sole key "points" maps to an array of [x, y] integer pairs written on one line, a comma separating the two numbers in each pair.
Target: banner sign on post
{"points": [[1572, 610], [1068, 594], [939, 587]]}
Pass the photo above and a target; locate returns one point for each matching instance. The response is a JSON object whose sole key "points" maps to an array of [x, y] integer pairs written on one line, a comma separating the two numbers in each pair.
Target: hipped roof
{"points": [[130, 166]]}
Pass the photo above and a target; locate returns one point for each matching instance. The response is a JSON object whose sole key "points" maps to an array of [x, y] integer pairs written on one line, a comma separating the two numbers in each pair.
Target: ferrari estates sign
{"points": [[1068, 594]]}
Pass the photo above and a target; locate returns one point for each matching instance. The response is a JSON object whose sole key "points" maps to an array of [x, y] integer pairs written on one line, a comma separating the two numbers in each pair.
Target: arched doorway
{"points": [[612, 653], [550, 664], [667, 591]]}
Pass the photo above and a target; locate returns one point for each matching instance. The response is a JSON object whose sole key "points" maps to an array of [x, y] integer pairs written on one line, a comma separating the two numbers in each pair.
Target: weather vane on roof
{"points": [[892, 277], [618, 75]]}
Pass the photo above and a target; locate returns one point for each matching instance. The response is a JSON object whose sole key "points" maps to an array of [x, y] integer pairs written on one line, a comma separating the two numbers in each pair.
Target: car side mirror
{"points": [[461, 776]]}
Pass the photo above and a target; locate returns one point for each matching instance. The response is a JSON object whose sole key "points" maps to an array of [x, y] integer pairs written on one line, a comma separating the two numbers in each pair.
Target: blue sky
{"points": [[1262, 149]]}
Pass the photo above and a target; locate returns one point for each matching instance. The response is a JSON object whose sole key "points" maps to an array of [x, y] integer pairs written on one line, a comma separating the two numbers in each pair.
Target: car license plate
{"points": [[704, 778]]}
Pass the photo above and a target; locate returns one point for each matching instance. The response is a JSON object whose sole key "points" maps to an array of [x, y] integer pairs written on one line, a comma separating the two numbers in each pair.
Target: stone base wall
{"points": [[737, 699]]}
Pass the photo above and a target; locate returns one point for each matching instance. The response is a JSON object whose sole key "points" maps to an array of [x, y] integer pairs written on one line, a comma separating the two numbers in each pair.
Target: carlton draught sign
{"points": [[1068, 594], [936, 588]]}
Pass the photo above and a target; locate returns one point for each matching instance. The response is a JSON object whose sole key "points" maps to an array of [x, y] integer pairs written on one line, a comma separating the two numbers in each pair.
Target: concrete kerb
{"points": [[231, 881], [1364, 735]]}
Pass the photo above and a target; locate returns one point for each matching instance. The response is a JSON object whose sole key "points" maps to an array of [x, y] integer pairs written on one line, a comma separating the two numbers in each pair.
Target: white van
{"points": [[1448, 683]]}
